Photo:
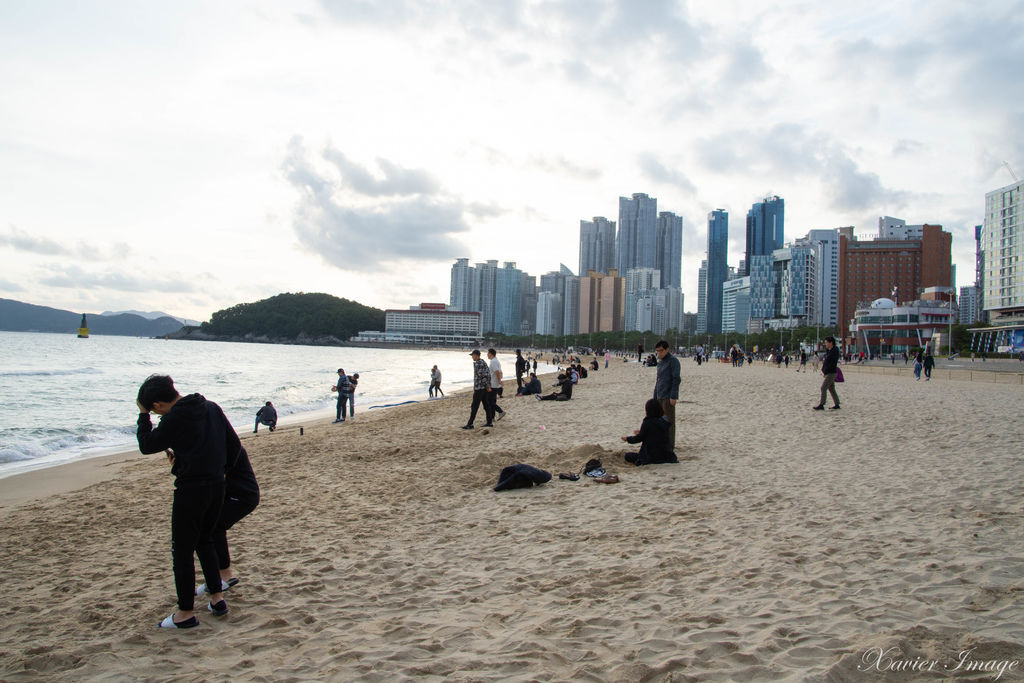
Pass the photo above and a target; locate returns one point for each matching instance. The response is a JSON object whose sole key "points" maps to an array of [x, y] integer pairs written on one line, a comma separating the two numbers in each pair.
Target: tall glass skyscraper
{"points": [[765, 229], [637, 241], [669, 249], [597, 245], [508, 293], [718, 268]]}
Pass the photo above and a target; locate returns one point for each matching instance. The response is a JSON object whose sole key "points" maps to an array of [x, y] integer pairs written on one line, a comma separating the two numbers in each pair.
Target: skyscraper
{"points": [[486, 281], [637, 241], [597, 245], [508, 297], [718, 268], [462, 281], [702, 298], [601, 302], [1002, 240], [549, 313], [640, 283], [765, 229], [669, 249]]}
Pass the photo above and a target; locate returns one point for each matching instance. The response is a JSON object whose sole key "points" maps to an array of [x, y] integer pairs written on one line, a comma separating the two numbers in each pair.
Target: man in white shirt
{"points": [[496, 387]]}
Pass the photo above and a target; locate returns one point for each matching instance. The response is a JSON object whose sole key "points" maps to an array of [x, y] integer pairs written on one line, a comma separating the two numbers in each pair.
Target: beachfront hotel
{"points": [[1002, 273], [884, 326], [430, 324]]}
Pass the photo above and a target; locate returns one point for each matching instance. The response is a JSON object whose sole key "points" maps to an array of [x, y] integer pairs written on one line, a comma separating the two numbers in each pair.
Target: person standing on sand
{"points": [[199, 442], [666, 386], [435, 382], [496, 385], [353, 382], [481, 389], [343, 387], [521, 367], [829, 368]]}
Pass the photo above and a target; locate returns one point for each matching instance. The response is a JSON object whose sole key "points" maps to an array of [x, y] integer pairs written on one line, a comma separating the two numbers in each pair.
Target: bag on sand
{"points": [[839, 374], [594, 469]]}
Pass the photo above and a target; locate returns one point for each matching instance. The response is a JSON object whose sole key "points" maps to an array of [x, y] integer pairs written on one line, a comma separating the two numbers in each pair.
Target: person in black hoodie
{"points": [[653, 436], [829, 368], [199, 442]]}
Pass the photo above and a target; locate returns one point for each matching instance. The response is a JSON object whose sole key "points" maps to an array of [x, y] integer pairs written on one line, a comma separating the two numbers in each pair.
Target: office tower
{"points": [[462, 281], [718, 267], [979, 273], [968, 305], [765, 228], [660, 310], [702, 298], [549, 313], [640, 282], [826, 257], [637, 239], [528, 306], [602, 299], [597, 245], [669, 249], [762, 287], [795, 282], [871, 270], [508, 293], [736, 304], [571, 305]]}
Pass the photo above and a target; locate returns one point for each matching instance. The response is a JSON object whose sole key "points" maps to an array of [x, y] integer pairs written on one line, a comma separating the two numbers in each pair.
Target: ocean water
{"points": [[63, 398]]}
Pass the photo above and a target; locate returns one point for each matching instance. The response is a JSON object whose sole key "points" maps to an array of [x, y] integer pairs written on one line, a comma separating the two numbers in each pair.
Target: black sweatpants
{"points": [[194, 515], [481, 396]]}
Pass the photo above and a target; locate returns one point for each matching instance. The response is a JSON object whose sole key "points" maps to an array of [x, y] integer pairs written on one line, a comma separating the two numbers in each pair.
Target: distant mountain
{"points": [[153, 315], [16, 316]]}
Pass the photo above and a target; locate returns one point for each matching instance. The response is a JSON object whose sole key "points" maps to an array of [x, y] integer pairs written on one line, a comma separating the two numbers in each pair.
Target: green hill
{"points": [[287, 317]]}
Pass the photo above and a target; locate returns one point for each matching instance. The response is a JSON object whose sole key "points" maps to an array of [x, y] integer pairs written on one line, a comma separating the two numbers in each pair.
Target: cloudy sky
{"points": [[188, 156]]}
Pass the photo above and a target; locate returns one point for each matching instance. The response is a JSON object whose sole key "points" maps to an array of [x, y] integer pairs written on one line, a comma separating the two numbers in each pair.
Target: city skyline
{"points": [[186, 157]]}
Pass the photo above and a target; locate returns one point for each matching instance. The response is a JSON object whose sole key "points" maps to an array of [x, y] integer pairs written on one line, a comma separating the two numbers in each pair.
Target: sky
{"points": [[189, 156]]}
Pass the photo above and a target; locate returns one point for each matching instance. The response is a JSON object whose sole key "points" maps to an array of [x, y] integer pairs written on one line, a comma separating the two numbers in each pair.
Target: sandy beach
{"points": [[786, 544]]}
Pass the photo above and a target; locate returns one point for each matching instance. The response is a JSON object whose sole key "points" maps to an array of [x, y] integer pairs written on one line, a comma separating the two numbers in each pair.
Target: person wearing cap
{"points": [[481, 389]]}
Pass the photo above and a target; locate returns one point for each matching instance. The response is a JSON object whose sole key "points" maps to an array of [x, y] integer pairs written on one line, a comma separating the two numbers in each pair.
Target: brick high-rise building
{"points": [[870, 270]]}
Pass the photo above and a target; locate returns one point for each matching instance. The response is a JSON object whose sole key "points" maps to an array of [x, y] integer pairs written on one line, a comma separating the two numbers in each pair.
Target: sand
{"points": [[787, 544]]}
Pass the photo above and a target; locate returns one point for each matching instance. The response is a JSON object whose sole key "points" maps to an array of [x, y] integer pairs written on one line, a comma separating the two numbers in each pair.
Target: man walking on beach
{"points": [[829, 368], [666, 386], [199, 442], [496, 386], [481, 389]]}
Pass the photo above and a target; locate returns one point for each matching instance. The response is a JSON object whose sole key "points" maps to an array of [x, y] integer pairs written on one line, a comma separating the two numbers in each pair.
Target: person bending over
{"points": [[653, 436], [199, 441]]}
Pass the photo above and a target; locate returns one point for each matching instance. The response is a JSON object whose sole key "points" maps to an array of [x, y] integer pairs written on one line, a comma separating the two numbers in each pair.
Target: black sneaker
{"points": [[489, 424], [467, 427], [819, 407], [834, 408]]}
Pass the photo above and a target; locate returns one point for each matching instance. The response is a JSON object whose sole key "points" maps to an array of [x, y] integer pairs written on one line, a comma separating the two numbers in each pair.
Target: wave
{"points": [[51, 373]]}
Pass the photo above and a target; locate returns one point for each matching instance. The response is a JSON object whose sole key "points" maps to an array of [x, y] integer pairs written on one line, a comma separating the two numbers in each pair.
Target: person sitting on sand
{"points": [[267, 415], [532, 386], [564, 381], [654, 437]]}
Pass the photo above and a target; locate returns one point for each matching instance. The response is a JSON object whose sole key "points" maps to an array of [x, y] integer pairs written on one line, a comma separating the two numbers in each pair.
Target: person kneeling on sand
{"points": [[653, 436], [565, 381]]}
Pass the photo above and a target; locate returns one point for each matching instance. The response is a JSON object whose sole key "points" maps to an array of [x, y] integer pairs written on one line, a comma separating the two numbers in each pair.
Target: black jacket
{"points": [[831, 363], [203, 441], [654, 435]]}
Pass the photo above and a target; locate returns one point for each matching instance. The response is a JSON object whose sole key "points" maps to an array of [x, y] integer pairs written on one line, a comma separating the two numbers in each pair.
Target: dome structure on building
{"points": [[883, 303]]}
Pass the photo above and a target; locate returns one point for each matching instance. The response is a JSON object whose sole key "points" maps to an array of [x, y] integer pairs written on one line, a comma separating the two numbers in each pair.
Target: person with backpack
{"points": [[344, 389]]}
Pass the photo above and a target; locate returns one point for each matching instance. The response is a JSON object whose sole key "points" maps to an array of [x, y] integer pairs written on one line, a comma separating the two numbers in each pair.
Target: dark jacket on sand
{"points": [[203, 441], [654, 435], [831, 362]]}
